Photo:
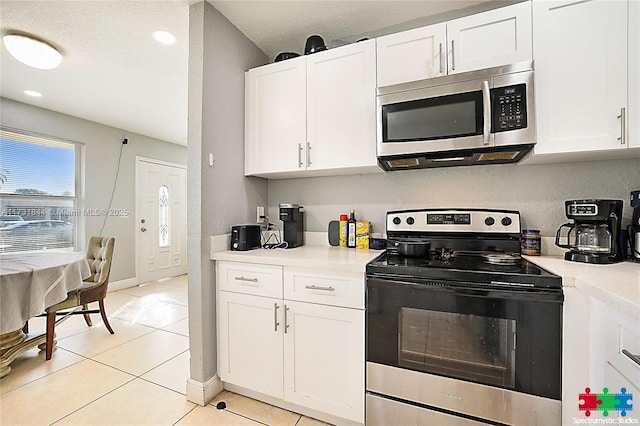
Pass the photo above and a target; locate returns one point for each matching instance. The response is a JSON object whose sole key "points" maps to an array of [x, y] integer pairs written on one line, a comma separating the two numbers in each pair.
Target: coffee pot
{"points": [[594, 235]]}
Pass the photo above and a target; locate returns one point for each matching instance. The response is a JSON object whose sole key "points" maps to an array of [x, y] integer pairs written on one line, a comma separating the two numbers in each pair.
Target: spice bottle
{"points": [[530, 242], [351, 230], [343, 230]]}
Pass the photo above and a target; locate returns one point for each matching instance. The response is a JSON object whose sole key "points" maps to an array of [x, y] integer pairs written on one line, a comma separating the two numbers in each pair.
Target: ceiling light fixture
{"points": [[32, 51], [33, 93], [164, 37]]}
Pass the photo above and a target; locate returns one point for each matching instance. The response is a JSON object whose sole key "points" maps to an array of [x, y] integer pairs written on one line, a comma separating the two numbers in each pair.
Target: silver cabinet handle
{"points": [[275, 317], [308, 154], [441, 58], [300, 155], [623, 126], [315, 287], [453, 57], [251, 280], [632, 357], [286, 326], [143, 229], [486, 110]]}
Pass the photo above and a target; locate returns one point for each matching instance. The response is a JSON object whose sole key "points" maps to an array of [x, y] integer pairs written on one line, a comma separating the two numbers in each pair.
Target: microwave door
{"points": [[443, 118]]}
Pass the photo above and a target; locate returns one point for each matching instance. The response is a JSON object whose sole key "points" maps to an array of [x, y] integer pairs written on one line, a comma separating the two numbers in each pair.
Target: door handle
{"points": [[315, 287], [300, 155], [251, 280], [286, 326], [486, 110], [453, 57], [143, 229], [308, 154], [623, 126], [275, 317]]}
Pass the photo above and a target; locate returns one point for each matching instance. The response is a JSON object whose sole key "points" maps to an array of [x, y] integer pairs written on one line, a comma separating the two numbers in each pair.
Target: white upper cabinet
{"points": [[341, 108], [489, 39], [412, 55], [275, 117], [580, 51], [313, 115]]}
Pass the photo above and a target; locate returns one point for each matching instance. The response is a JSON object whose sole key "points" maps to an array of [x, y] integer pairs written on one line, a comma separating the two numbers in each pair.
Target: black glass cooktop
{"points": [[471, 268]]}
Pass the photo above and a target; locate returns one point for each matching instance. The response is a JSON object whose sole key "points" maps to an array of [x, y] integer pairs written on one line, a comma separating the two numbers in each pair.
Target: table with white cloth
{"points": [[29, 283]]}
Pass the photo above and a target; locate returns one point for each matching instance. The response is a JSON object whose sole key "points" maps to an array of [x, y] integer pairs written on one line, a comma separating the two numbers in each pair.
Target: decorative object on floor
{"points": [[94, 289]]}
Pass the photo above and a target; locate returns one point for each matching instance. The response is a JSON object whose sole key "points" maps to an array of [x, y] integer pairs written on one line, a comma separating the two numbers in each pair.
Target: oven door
{"points": [[501, 337], [443, 118]]}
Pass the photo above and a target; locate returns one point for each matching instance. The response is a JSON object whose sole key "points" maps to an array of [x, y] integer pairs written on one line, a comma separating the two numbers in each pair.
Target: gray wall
{"points": [[219, 195], [537, 191], [102, 149]]}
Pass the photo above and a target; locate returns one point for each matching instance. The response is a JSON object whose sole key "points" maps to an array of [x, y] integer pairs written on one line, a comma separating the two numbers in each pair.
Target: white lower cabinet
{"points": [[306, 353], [324, 359]]}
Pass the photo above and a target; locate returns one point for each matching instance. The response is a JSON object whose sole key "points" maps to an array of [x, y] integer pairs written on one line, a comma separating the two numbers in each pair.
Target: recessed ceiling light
{"points": [[164, 37], [31, 51], [33, 93]]}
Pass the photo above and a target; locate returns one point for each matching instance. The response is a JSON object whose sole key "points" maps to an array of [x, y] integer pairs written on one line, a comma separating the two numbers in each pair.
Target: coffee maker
{"points": [[292, 217], [634, 227], [594, 235]]}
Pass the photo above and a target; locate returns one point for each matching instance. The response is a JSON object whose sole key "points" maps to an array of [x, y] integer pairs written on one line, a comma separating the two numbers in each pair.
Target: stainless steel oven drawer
{"points": [[385, 412], [473, 399]]}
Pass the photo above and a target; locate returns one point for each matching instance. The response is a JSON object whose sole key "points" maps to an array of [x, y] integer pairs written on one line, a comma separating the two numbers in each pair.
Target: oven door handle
{"points": [[516, 291]]}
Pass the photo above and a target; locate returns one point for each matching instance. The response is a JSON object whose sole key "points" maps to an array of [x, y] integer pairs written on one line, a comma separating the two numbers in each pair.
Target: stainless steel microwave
{"points": [[479, 117]]}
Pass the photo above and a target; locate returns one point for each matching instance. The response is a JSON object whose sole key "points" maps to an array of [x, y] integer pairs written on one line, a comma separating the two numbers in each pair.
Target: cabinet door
{"points": [[341, 108], [250, 342], [275, 120], [324, 359], [580, 51], [412, 55], [496, 37]]}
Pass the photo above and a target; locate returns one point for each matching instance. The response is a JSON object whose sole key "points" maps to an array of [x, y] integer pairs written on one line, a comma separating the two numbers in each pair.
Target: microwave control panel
{"points": [[509, 104]]}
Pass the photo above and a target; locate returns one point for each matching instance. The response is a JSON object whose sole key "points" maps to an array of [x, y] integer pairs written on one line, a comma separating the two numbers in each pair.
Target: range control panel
{"points": [[500, 221], [509, 106]]}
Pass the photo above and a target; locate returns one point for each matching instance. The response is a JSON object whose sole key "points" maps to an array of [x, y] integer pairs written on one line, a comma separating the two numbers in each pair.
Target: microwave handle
{"points": [[486, 109]]}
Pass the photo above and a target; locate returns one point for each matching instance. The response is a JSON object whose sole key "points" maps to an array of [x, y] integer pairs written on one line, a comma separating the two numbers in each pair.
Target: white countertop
{"points": [[617, 285], [315, 257]]}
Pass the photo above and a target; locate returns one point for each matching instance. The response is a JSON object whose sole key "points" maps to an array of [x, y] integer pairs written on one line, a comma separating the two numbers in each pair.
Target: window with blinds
{"points": [[40, 187]]}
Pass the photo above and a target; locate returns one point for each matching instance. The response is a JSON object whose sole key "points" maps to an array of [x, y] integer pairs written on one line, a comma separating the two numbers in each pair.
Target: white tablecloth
{"points": [[30, 282]]}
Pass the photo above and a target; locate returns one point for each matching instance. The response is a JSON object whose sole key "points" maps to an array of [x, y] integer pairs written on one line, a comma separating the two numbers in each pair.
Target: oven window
{"points": [[471, 347], [441, 117]]}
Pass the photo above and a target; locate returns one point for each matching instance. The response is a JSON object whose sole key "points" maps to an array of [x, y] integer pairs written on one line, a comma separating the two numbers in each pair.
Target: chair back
{"points": [[99, 256]]}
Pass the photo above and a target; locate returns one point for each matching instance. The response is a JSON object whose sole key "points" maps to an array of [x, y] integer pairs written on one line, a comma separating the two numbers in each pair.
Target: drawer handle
{"points": [[632, 357], [251, 280], [315, 287]]}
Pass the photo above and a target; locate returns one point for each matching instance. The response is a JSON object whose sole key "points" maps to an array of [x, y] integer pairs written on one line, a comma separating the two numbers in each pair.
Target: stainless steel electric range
{"points": [[467, 333]]}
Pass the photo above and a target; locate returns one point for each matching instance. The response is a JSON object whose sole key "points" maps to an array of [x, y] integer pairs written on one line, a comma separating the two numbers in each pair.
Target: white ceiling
{"points": [[115, 73]]}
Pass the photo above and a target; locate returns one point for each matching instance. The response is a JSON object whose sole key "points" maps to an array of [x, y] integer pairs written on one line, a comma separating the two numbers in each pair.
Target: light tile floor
{"points": [[135, 377]]}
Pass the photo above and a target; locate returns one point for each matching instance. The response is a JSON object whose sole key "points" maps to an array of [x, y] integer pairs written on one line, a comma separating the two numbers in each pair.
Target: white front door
{"points": [[161, 220]]}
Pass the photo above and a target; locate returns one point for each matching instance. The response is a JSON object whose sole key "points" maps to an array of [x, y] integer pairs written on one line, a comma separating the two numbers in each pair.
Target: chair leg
{"points": [[103, 313], [51, 323], [87, 318]]}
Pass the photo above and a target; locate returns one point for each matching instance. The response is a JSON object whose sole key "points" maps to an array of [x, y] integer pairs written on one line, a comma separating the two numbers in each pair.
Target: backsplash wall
{"points": [[537, 191]]}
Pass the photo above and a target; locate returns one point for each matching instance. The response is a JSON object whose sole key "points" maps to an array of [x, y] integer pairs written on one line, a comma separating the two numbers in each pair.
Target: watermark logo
{"points": [[605, 402]]}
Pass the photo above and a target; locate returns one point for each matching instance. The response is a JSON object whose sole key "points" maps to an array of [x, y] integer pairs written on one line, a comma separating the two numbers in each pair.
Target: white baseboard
{"points": [[119, 285], [202, 393]]}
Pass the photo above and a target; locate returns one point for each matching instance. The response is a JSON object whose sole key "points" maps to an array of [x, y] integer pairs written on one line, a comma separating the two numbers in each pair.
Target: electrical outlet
{"points": [[260, 214]]}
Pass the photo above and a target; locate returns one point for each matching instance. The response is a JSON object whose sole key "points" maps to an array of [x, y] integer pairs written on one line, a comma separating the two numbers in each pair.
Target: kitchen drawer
{"points": [[249, 278], [344, 289], [623, 336]]}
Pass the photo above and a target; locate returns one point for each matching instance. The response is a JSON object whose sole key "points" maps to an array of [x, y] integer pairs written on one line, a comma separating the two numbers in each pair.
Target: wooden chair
{"points": [[94, 289]]}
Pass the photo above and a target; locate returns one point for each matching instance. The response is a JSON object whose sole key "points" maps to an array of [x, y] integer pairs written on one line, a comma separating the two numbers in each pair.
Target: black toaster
{"points": [[245, 237]]}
